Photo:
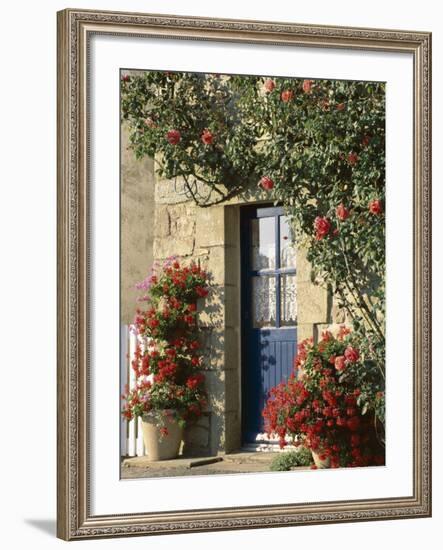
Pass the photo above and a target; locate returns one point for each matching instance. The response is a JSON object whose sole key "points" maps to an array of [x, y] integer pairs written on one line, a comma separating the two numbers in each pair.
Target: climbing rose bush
{"points": [[315, 146], [168, 368], [332, 403]]}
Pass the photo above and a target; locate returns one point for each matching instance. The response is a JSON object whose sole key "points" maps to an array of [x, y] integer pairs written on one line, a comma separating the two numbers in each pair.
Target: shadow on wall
{"points": [[205, 436]]}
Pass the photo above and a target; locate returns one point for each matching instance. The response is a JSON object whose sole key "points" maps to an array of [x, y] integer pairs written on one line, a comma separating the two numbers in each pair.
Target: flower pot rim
{"points": [[157, 412]]}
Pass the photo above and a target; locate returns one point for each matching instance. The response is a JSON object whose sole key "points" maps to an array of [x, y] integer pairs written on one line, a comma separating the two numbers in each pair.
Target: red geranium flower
{"points": [[193, 381], [353, 423]]}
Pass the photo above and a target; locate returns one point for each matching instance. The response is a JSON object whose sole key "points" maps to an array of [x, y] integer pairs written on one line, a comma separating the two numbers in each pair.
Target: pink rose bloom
{"points": [[342, 212], [322, 226], [266, 183], [339, 363], [375, 207], [352, 158], [207, 137], [269, 85], [173, 137], [287, 95], [307, 85], [351, 354]]}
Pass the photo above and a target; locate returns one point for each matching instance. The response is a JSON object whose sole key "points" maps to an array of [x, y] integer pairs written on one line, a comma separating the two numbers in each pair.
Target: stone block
{"points": [[182, 218], [213, 344], [162, 222], [304, 268], [215, 265], [222, 264], [232, 432], [304, 330], [232, 390], [166, 247], [170, 191], [232, 265], [215, 386], [212, 308], [210, 227], [232, 225], [232, 349], [312, 303], [197, 436], [217, 434], [202, 254], [232, 306]]}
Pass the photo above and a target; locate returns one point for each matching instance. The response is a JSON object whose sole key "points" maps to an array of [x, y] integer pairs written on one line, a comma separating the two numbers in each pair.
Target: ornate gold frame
{"points": [[73, 515]]}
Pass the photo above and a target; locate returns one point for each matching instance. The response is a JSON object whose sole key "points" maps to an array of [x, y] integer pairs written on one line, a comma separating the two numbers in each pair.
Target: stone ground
{"points": [[240, 462]]}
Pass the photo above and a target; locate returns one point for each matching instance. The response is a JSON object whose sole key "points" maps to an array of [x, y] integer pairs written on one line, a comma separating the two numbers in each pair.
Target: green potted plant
{"points": [[169, 390]]}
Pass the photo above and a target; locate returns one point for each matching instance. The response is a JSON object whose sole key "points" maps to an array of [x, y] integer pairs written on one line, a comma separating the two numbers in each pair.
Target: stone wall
{"points": [[137, 205], [158, 221], [211, 235]]}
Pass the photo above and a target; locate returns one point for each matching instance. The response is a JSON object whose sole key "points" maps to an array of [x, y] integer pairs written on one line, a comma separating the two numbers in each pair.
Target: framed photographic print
{"points": [[244, 312]]}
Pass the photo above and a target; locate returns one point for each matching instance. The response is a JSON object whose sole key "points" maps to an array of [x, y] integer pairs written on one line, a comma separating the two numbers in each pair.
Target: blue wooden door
{"points": [[269, 310]]}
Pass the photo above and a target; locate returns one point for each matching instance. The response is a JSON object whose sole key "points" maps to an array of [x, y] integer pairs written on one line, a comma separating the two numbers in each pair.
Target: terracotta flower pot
{"points": [[321, 464], [161, 446]]}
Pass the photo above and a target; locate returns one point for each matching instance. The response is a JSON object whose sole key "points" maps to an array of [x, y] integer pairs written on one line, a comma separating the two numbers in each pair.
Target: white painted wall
{"points": [[27, 219]]}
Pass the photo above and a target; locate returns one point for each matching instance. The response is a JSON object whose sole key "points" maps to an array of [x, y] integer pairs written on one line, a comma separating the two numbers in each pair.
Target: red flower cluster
{"points": [[168, 368], [193, 381], [319, 409]]}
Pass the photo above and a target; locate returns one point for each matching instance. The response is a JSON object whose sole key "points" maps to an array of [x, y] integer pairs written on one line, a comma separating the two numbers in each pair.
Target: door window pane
{"points": [[263, 243], [263, 302], [288, 300], [287, 248]]}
